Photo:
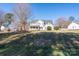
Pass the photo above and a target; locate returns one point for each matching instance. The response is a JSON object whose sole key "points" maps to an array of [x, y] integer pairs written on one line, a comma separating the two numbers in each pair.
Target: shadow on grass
{"points": [[43, 44]]}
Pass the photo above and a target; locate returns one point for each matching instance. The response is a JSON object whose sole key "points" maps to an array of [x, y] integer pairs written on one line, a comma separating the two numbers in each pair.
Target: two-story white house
{"points": [[41, 25]]}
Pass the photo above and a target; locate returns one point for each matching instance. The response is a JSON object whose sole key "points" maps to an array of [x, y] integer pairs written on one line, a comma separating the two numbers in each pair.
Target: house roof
{"points": [[48, 21], [33, 21], [45, 21], [76, 22]]}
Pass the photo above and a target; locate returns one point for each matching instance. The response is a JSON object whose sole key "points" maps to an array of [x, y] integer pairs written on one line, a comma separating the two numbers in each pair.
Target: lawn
{"points": [[45, 43]]}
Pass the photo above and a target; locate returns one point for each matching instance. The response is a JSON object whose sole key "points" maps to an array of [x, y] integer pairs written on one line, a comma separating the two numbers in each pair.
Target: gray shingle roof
{"points": [[77, 22], [45, 21]]}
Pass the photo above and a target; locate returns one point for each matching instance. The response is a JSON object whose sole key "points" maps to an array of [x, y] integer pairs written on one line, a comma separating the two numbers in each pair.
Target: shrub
{"points": [[49, 28], [56, 28]]}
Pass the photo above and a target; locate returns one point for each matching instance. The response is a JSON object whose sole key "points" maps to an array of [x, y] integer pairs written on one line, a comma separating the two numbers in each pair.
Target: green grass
{"points": [[39, 44]]}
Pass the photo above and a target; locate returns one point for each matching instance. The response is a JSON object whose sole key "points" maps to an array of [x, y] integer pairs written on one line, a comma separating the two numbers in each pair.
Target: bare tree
{"points": [[22, 11], [62, 22], [8, 19], [1, 17], [71, 18]]}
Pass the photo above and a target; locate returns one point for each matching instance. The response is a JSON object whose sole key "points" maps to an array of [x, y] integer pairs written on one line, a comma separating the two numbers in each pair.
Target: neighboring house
{"points": [[5, 29], [40, 25], [2, 28], [73, 26]]}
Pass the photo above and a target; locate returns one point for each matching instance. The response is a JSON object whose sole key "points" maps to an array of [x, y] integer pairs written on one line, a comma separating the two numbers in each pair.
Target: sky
{"points": [[48, 11]]}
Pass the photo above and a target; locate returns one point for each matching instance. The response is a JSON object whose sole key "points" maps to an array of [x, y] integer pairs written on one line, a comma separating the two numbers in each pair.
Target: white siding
{"points": [[73, 26], [2, 28]]}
